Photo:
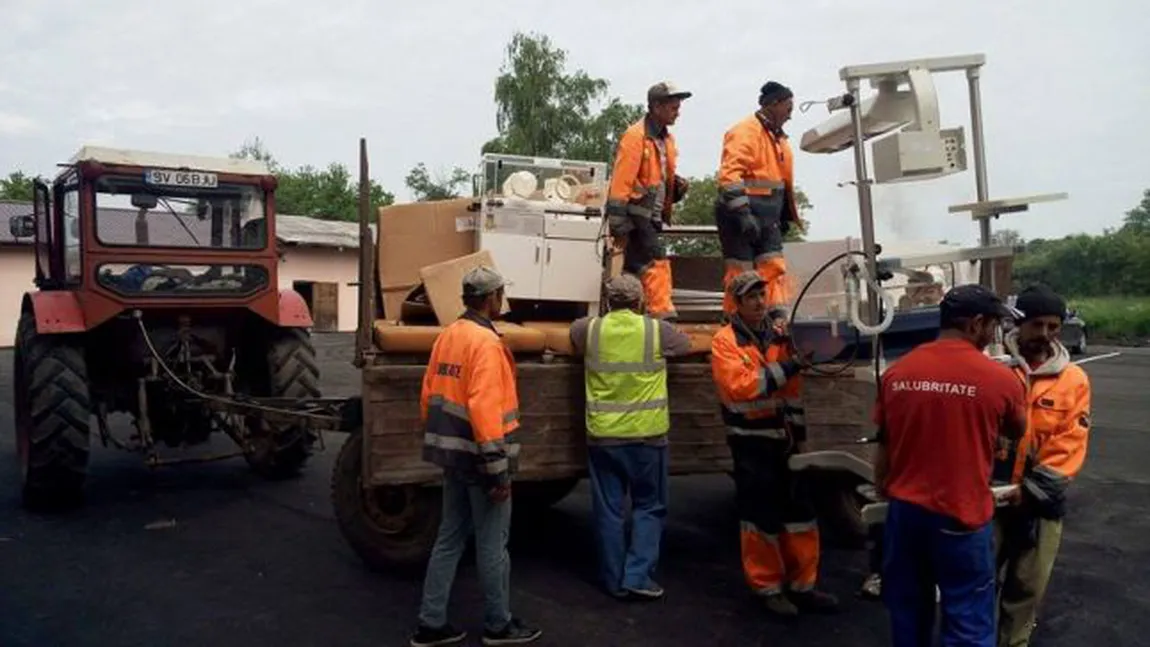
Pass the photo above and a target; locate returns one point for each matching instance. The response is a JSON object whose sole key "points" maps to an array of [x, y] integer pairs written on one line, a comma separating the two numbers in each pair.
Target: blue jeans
{"points": [[922, 550], [466, 507], [616, 471]]}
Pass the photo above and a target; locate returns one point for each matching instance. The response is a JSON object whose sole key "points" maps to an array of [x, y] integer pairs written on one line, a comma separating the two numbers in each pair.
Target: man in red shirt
{"points": [[942, 410]]}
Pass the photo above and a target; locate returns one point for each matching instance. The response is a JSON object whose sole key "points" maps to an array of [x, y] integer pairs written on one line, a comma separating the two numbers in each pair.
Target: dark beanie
{"points": [[1040, 301], [773, 91]]}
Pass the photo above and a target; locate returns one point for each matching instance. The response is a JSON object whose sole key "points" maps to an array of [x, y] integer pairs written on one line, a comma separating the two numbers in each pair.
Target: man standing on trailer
{"points": [[940, 412], [470, 408], [627, 423], [643, 190], [756, 205], [758, 386], [1049, 456]]}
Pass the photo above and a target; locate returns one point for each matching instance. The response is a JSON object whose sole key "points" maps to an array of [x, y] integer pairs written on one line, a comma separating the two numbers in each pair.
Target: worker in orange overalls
{"points": [[470, 408], [1048, 457], [758, 385], [756, 206], [643, 190]]}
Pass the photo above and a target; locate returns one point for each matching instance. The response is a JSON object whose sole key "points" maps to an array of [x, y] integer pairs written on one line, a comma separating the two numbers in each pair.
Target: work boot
{"points": [[815, 601], [779, 605], [437, 636], [515, 633]]}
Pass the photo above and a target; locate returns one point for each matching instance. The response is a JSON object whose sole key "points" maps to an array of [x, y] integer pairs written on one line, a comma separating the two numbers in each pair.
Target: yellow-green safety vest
{"points": [[625, 377]]}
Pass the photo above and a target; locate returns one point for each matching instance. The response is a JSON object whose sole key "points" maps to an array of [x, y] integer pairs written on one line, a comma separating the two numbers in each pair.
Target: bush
{"points": [[1115, 318]]}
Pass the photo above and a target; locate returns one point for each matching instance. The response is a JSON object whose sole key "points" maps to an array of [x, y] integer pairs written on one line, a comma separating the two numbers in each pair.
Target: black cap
{"points": [[971, 300], [1040, 301], [773, 91]]}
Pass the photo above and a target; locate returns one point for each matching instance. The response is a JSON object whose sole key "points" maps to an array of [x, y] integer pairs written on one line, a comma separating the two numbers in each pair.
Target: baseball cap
{"points": [[666, 90], [625, 288], [745, 282], [481, 281], [1040, 301], [973, 300]]}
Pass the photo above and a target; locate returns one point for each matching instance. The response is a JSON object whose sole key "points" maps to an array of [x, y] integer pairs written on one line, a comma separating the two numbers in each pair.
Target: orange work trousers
{"points": [[645, 257], [778, 532]]}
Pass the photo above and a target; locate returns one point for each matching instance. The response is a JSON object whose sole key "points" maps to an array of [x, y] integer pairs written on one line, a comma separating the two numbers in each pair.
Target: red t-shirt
{"points": [[944, 403]]}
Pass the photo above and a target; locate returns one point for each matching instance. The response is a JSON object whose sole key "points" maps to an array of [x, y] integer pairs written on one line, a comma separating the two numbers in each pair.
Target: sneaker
{"points": [[650, 592], [433, 637], [871, 588], [815, 600], [515, 633], [779, 605]]}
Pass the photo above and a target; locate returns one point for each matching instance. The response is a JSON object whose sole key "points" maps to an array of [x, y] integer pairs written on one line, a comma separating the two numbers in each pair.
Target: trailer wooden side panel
{"points": [[552, 429]]}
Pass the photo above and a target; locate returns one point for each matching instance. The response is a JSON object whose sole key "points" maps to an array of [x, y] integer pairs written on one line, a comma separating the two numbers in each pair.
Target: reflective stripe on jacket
{"points": [[625, 378], [758, 384], [640, 172], [469, 402], [757, 169], [1053, 449]]}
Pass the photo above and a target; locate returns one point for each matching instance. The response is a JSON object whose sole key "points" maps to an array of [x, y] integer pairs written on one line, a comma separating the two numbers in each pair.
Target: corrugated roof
{"points": [[117, 225]]}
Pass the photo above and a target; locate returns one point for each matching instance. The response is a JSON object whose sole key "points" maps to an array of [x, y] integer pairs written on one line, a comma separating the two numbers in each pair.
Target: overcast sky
{"points": [[1065, 89]]}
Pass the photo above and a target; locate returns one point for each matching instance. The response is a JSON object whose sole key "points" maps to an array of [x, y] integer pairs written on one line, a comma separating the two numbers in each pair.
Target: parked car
{"points": [[1073, 329]]}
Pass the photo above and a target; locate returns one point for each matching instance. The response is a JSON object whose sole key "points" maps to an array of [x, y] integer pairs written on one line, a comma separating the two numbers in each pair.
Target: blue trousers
{"points": [[616, 471], [922, 550], [467, 509]]}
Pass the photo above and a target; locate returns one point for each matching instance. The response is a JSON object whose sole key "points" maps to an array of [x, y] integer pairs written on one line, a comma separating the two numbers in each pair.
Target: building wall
{"points": [[17, 271], [325, 264]]}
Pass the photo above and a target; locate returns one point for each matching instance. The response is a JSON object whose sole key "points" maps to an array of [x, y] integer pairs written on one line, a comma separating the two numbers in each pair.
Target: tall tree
{"points": [[17, 186], [698, 208], [442, 187], [329, 193], [1137, 220], [1004, 237], [544, 110]]}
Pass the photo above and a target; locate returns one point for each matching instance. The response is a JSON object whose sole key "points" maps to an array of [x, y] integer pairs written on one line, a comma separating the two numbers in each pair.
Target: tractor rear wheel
{"points": [[290, 370], [390, 528], [53, 416]]}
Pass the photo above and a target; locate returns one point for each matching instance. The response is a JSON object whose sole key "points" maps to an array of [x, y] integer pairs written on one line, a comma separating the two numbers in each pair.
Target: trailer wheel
{"points": [[540, 495], [291, 371], [53, 415], [389, 528], [839, 507]]}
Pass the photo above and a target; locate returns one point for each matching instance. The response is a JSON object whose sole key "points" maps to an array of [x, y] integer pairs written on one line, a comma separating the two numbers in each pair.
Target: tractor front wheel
{"points": [[390, 528], [289, 370], [53, 415]]}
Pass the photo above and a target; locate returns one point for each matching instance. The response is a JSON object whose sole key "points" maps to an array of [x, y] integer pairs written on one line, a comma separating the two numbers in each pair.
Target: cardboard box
{"points": [[415, 235], [444, 283]]}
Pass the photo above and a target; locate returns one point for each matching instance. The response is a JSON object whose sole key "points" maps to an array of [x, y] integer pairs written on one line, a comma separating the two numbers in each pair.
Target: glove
{"points": [[681, 185], [748, 226]]}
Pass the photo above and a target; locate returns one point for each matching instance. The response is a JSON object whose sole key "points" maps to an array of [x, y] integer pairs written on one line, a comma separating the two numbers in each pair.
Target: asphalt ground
{"points": [[210, 555]]}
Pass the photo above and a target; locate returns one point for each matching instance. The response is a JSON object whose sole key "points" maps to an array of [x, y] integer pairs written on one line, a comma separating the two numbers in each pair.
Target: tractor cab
{"points": [[132, 227]]}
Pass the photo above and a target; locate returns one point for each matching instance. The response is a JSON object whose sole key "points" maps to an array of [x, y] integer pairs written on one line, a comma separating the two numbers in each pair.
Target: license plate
{"points": [[190, 179]]}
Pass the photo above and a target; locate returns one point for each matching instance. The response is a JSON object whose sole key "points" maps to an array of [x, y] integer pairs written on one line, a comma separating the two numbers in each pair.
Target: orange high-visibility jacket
{"points": [[1053, 449], [758, 391], [469, 403], [756, 161], [638, 172]]}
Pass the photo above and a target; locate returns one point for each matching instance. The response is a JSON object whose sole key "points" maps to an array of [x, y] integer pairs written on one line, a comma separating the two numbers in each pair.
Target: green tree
{"points": [[1137, 220], [17, 186], [329, 193], [425, 188], [1004, 237], [544, 110], [698, 208]]}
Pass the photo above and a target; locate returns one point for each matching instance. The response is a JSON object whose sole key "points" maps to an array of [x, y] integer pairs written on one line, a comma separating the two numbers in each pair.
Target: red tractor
{"points": [[157, 296]]}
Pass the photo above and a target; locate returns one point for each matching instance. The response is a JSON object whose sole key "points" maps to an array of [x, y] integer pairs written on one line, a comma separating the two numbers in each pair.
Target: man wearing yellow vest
{"points": [[627, 422]]}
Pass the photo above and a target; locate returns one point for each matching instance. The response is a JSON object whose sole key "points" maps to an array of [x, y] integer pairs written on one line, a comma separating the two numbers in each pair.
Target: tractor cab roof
{"points": [[126, 157]]}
